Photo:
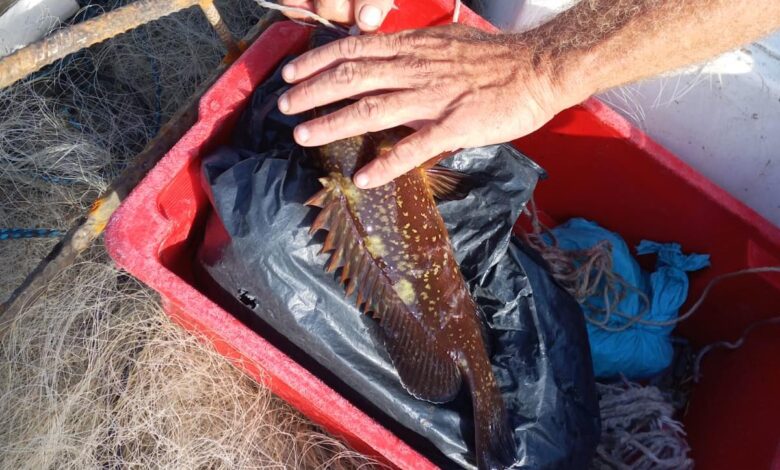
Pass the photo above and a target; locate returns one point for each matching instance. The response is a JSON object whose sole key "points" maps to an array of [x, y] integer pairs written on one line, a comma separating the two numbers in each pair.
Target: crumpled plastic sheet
{"points": [[540, 354]]}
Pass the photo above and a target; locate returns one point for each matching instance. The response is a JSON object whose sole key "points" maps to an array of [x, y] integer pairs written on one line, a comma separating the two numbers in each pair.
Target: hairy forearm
{"points": [[600, 44], [442, 80]]}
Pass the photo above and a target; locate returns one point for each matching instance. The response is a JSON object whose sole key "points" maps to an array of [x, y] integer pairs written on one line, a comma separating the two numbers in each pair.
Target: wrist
{"points": [[561, 80], [578, 76]]}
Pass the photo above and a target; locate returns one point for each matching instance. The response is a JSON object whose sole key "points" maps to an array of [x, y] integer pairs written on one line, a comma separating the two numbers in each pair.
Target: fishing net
{"points": [[66, 131], [93, 374]]}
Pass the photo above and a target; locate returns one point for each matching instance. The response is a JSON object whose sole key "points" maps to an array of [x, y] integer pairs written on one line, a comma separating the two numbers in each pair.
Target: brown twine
{"points": [[587, 273], [697, 375]]}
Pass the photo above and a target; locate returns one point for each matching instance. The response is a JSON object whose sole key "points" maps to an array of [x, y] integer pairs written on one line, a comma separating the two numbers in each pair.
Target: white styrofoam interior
{"points": [[721, 117]]}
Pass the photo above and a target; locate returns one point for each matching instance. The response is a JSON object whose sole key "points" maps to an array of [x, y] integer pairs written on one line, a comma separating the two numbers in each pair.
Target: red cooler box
{"points": [[600, 168]]}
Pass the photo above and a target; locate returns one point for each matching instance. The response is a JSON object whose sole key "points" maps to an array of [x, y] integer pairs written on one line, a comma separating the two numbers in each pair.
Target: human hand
{"points": [[457, 86], [368, 14]]}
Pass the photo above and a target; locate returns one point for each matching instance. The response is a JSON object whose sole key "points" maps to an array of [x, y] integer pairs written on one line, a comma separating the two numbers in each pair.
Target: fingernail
{"points": [[370, 15], [284, 103], [302, 132], [361, 180], [288, 72]]}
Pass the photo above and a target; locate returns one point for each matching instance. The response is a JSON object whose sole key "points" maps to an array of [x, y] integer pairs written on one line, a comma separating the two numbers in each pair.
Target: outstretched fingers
{"points": [[369, 114], [425, 144], [350, 48], [346, 80]]}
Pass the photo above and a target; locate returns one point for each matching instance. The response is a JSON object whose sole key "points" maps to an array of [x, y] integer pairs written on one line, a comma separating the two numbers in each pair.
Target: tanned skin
{"points": [[460, 87]]}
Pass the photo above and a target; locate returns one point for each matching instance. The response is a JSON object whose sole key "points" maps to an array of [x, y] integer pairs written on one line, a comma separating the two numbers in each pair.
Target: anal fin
{"points": [[426, 370]]}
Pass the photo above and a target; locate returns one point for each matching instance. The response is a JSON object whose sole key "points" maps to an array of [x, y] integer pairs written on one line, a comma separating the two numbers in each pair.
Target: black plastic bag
{"points": [[540, 351]]}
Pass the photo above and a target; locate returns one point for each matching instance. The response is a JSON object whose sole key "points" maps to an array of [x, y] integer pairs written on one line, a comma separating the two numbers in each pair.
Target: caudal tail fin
{"points": [[494, 439]]}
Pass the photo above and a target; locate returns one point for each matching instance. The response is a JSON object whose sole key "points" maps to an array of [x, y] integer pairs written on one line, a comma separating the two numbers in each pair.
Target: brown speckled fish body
{"points": [[394, 253]]}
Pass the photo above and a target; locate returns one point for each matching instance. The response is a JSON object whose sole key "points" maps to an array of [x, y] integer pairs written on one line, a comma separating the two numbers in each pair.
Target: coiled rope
{"points": [[588, 273], [638, 430]]}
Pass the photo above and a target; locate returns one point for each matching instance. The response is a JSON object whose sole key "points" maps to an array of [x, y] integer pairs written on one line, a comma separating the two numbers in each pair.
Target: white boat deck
{"points": [[722, 117]]}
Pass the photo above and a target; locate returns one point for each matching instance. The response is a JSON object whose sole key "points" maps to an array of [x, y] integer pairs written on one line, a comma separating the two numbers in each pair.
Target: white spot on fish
{"points": [[375, 246], [405, 291]]}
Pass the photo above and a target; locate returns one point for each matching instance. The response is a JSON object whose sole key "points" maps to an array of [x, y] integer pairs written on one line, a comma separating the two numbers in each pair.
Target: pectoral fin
{"points": [[447, 184]]}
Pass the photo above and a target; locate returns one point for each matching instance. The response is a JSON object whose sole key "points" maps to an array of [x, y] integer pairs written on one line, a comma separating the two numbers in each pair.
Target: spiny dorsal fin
{"points": [[447, 184], [426, 369]]}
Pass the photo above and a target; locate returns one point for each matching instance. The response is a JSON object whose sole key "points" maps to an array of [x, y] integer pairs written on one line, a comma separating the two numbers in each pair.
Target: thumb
{"points": [[369, 14]]}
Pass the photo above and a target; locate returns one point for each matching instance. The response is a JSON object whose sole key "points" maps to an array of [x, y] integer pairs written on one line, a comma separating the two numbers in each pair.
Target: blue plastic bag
{"points": [[641, 349]]}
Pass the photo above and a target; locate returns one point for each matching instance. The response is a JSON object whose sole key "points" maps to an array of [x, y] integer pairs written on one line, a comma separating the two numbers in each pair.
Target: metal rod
{"points": [[74, 38], [213, 17], [88, 228]]}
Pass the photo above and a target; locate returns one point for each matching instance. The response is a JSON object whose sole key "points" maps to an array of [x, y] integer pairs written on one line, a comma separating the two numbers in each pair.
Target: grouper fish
{"points": [[394, 253]]}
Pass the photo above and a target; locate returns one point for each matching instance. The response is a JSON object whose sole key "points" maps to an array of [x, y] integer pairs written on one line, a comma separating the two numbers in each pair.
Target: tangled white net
{"points": [[93, 374]]}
